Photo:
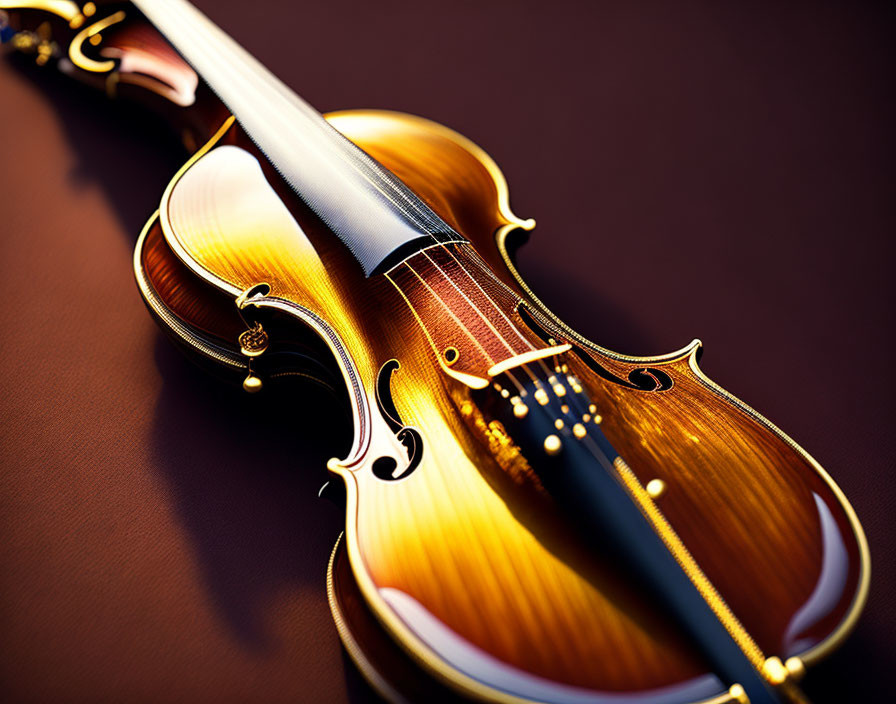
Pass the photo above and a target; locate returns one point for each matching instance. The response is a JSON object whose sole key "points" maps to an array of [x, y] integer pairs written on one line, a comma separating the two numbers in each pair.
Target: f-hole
{"points": [[385, 467]]}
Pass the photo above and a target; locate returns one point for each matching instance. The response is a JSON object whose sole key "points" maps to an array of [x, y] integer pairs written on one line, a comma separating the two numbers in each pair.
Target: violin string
{"points": [[474, 306], [481, 264], [444, 305], [480, 313], [524, 367], [452, 314], [416, 315], [469, 334], [487, 296], [494, 304], [429, 335]]}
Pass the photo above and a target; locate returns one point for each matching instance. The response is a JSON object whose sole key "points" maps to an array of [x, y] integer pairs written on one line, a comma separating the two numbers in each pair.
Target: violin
{"points": [[529, 516]]}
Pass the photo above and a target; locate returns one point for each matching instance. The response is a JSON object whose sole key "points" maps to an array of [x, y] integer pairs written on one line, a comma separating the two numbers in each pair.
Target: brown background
{"points": [[722, 170]]}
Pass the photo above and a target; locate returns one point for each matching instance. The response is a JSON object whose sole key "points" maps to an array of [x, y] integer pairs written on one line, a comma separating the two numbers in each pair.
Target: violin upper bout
{"points": [[455, 176]]}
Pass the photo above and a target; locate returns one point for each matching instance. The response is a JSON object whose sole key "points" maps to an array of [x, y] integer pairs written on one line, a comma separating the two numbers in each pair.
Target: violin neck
{"points": [[365, 205]]}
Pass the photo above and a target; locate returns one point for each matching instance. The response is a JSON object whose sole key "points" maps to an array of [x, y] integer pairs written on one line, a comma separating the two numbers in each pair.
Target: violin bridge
{"points": [[521, 359]]}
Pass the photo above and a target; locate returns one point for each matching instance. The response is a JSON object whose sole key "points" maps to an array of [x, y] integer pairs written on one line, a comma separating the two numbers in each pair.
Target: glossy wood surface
{"points": [[193, 301], [497, 567], [391, 671]]}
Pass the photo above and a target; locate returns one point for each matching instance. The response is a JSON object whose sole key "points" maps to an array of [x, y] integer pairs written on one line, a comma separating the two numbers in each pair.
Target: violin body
{"points": [[458, 573], [434, 546]]}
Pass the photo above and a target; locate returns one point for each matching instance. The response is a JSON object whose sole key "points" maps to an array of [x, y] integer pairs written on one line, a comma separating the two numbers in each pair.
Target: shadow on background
{"points": [[243, 471]]}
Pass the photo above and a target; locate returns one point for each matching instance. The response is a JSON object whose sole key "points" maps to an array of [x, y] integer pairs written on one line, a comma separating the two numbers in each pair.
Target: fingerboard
{"points": [[365, 205]]}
